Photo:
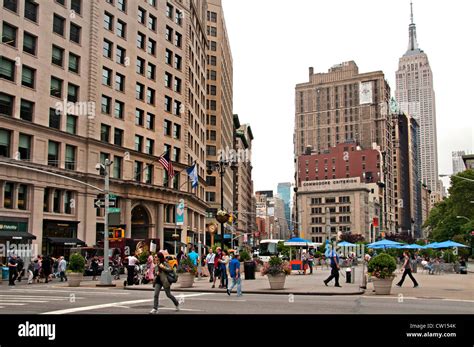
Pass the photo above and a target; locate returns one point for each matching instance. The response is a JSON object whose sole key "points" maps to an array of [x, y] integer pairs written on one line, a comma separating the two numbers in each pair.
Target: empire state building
{"points": [[416, 97]]}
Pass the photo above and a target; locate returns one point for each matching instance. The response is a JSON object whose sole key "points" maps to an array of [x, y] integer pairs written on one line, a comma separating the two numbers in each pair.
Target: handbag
{"points": [[172, 277]]}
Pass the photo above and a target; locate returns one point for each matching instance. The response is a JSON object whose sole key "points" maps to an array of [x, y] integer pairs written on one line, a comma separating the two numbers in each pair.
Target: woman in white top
{"points": [[223, 265]]}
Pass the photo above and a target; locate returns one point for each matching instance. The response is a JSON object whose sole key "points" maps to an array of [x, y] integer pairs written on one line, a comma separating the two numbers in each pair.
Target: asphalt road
{"points": [[49, 299]]}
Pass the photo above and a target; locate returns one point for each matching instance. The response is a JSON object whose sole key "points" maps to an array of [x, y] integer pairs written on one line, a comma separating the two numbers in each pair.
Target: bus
{"points": [[267, 249]]}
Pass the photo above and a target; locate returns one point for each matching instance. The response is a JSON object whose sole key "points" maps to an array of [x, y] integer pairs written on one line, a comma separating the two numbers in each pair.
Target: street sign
{"points": [[100, 203], [112, 197], [114, 210]]}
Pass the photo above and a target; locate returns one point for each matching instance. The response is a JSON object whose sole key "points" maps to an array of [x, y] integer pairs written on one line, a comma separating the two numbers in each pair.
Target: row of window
{"points": [[171, 13], [59, 25], [10, 37], [59, 200], [15, 196], [332, 200], [30, 9]]}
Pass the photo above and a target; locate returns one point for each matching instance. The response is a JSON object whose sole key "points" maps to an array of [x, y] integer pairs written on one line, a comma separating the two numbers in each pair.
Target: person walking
{"points": [[406, 268], [234, 269], [31, 271], [193, 256], [217, 269], [161, 281], [304, 261], [310, 262], [12, 269], [62, 269], [210, 264], [132, 261], [46, 267], [334, 269], [20, 268], [224, 261], [150, 269], [94, 267]]}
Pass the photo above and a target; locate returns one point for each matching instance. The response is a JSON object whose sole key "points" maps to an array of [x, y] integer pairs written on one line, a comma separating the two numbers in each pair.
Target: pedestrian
{"points": [[161, 281], [31, 271], [37, 269], [46, 267], [224, 261], [406, 268], [217, 269], [334, 269], [150, 270], [180, 255], [234, 269], [55, 262], [304, 260], [20, 268], [310, 262], [132, 261], [210, 264], [94, 267], [12, 269], [193, 256], [62, 269]]}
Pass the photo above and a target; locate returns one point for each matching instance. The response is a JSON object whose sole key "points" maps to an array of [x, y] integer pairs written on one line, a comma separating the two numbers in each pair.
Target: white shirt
{"points": [[132, 261], [210, 258]]}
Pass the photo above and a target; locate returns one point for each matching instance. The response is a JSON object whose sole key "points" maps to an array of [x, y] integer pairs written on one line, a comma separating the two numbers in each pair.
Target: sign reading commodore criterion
{"points": [[336, 184]]}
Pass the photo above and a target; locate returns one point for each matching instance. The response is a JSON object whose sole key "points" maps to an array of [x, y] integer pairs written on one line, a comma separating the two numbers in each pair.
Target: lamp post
{"points": [[105, 277]]}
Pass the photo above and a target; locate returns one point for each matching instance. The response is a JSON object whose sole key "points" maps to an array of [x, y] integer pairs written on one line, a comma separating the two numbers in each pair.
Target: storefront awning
{"points": [[16, 235], [65, 241]]}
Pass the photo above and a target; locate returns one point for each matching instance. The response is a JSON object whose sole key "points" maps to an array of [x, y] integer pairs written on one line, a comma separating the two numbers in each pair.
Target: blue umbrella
{"points": [[346, 244], [384, 244], [449, 244], [432, 245], [296, 241], [412, 246]]}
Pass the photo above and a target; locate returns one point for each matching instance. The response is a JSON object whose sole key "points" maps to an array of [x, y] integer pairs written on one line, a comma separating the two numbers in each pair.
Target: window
{"points": [[75, 33], [105, 104], [213, 120], [22, 197], [70, 157], [121, 29], [213, 60], [140, 66], [212, 75], [212, 16], [58, 25], [212, 90], [177, 131], [138, 143], [149, 174], [118, 110], [27, 110], [105, 133], [168, 56], [119, 82], [107, 51], [29, 43], [6, 104], [169, 11], [178, 39], [177, 85], [167, 127], [177, 62], [108, 21], [31, 10], [151, 48], [141, 41], [213, 45], [46, 199], [139, 114], [57, 56], [7, 69], [122, 5], [149, 146], [5, 139], [56, 87], [211, 181], [150, 121], [71, 124], [152, 22], [139, 91], [54, 119], [210, 196], [137, 170], [53, 153], [141, 15], [76, 6], [168, 78], [213, 106], [56, 200], [74, 63], [72, 92], [168, 34], [8, 195], [212, 135], [151, 71], [11, 5], [177, 108], [28, 77], [150, 96], [106, 76], [117, 167], [24, 147], [168, 102], [210, 150], [178, 17], [120, 55], [9, 33], [68, 202], [62, 2], [118, 137]]}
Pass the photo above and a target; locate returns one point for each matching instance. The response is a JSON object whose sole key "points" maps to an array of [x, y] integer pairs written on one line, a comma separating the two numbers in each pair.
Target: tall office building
{"points": [[86, 81], [345, 106], [458, 163], [219, 117], [416, 97], [284, 191]]}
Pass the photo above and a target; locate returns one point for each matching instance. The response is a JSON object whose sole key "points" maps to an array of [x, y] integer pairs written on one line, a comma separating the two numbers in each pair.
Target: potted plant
{"points": [[222, 216], [276, 271], [382, 268], [75, 271], [186, 270]]}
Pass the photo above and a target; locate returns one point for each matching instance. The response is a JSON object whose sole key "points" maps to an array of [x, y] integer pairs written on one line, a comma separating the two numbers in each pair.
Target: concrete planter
{"points": [[74, 279], [185, 280], [277, 281], [382, 286]]}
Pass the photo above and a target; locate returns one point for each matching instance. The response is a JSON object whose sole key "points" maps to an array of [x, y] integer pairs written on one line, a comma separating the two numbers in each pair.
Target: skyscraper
{"points": [[416, 97], [284, 190], [458, 163]]}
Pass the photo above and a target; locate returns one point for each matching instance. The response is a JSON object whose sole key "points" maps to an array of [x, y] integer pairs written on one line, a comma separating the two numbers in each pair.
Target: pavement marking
{"points": [[417, 298], [98, 307], [224, 300], [2, 301], [459, 300], [12, 304], [69, 291]]}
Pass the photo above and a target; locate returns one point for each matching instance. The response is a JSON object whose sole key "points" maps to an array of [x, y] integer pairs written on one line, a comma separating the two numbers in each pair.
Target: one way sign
{"points": [[100, 203]]}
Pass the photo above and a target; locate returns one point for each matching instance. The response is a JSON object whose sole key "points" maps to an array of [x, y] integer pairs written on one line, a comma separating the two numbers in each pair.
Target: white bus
{"points": [[267, 249]]}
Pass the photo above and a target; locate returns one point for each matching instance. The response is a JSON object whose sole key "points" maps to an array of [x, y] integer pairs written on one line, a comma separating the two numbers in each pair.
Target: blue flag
{"points": [[193, 175]]}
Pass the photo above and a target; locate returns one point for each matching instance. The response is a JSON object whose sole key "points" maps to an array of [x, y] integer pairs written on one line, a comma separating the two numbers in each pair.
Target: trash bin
{"points": [[353, 275], [348, 275], [5, 272], [249, 270]]}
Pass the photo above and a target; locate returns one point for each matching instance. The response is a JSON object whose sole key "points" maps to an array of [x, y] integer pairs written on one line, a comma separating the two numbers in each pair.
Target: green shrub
{"points": [[449, 256], [382, 266], [77, 263], [186, 266], [245, 256]]}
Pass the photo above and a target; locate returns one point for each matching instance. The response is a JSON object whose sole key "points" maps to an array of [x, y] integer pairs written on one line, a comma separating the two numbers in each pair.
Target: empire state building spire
{"points": [[412, 43]]}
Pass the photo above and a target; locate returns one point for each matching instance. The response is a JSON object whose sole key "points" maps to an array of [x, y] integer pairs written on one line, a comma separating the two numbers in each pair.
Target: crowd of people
{"points": [[40, 268]]}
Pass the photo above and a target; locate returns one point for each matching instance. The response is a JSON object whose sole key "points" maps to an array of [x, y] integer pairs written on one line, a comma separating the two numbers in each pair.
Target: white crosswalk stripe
{"points": [[23, 300]]}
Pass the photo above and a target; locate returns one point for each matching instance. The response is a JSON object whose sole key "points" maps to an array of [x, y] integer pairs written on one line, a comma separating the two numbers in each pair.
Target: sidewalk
{"points": [[294, 284]]}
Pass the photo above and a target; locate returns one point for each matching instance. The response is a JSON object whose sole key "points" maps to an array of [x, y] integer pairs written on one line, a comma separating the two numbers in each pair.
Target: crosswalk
{"points": [[13, 300]]}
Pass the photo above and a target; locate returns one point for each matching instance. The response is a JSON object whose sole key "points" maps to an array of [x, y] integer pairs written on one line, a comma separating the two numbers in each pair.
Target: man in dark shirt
{"points": [[12, 270]]}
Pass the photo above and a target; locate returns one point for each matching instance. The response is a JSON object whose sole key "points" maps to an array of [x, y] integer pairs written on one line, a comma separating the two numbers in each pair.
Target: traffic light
{"points": [[117, 233]]}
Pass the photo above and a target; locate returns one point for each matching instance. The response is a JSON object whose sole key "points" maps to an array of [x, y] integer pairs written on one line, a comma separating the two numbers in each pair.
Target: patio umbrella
{"points": [[346, 244], [449, 244], [412, 246], [384, 244], [296, 241], [432, 245]]}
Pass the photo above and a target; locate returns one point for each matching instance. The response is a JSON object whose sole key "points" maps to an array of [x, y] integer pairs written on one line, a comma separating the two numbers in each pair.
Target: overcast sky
{"points": [[274, 42]]}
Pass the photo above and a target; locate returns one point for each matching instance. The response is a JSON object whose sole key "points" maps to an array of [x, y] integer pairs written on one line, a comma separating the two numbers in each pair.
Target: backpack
{"points": [[172, 277]]}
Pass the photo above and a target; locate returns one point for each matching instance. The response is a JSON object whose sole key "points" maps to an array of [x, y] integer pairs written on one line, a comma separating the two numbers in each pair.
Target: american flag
{"points": [[166, 162]]}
